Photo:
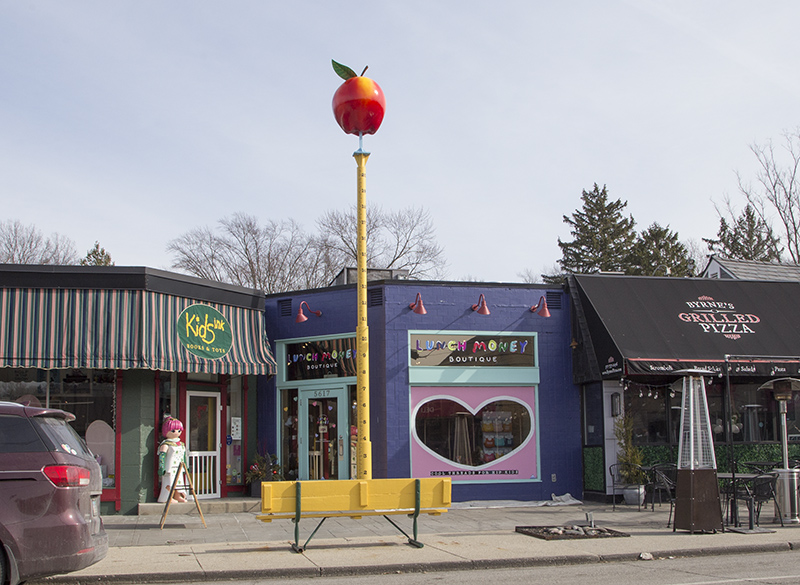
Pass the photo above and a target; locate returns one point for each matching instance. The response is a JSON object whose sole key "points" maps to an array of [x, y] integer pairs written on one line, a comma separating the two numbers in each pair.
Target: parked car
{"points": [[50, 486]]}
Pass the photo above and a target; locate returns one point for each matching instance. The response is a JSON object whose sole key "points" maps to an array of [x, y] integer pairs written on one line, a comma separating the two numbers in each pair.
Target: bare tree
{"points": [[411, 244], [404, 240], [280, 256], [198, 252], [697, 252], [25, 244], [270, 257], [338, 233], [777, 189], [529, 276]]}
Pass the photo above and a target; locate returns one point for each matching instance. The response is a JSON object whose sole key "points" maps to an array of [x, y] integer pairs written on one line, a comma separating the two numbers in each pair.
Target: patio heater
{"points": [[786, 486], [697, 504]]}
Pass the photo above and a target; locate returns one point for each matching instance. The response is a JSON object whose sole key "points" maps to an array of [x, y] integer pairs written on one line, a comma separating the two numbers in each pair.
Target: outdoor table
{"points": [[762, 466]]}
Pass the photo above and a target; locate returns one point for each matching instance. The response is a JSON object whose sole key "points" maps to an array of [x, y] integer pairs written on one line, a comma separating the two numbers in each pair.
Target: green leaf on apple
{"points": [[343, 71]]}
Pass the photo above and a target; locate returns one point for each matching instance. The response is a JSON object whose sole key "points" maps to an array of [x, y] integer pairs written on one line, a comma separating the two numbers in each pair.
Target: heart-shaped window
{"points": [[453, 432]]}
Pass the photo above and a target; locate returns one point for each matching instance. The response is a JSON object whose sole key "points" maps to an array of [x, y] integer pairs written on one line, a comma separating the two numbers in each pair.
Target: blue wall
{"points": [[448, 307]]}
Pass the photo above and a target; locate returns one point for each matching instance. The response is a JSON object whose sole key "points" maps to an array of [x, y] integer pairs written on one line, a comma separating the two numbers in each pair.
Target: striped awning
{"points": [[129, 329]]}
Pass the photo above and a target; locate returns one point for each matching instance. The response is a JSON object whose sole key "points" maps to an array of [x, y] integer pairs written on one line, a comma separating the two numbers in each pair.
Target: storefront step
{"points": [[216, 506]]}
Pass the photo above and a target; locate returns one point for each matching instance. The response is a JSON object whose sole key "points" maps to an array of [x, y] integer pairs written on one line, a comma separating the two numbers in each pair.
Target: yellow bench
{"points": [[353, 498]]}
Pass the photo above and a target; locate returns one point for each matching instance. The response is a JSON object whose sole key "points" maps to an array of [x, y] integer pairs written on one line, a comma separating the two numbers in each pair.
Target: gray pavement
{"points": [[235, 545]]}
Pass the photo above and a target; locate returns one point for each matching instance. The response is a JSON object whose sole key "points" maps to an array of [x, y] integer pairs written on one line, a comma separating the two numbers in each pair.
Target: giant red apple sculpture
{"points": [[358, 104]]}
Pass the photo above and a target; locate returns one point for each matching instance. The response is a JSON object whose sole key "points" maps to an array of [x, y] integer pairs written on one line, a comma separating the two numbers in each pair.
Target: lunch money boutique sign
{"points": [[455, 349]]}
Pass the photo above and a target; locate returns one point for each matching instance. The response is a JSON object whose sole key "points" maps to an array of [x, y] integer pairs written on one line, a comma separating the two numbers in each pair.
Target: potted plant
{"points": [[629, 458], [263, 468]]}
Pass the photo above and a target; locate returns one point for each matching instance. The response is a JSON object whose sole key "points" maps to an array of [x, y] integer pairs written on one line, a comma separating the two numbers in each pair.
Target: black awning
{"points": [[656, 326]]}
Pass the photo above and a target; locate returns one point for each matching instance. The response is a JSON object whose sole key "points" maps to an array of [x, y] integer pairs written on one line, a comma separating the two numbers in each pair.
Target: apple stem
{"points": [[363, 72]]}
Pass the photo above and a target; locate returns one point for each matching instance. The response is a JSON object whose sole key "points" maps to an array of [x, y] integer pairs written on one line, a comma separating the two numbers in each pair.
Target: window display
{"points": [[474, 433], [656, 408]]}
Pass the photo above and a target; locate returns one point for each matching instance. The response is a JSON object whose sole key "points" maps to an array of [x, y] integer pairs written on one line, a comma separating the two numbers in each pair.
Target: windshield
{"points": [[62, 436]]}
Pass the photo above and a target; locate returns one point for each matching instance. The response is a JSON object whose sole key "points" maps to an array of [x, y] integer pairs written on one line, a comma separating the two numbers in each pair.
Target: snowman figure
{"points": [[171, 452]]}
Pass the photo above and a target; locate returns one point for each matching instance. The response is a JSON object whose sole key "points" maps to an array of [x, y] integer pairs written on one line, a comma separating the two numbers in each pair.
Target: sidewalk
{"points": [[236, 545]]}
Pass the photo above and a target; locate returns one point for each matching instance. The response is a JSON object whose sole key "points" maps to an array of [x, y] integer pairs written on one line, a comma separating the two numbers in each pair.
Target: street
{"points": [[773, 568]]}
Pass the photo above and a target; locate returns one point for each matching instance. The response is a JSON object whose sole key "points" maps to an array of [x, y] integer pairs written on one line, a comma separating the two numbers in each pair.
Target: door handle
{"points": [[341, 448]]}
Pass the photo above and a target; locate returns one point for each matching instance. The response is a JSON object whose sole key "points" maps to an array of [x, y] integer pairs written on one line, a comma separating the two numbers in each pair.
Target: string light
{"points": [[653, 390]]}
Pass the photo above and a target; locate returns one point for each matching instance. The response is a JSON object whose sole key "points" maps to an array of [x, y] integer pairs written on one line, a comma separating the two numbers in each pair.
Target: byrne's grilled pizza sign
{"points": [[719, 317]]}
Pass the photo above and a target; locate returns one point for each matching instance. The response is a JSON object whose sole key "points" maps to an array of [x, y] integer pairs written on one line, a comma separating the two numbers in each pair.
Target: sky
{"points": [[131, 122]]}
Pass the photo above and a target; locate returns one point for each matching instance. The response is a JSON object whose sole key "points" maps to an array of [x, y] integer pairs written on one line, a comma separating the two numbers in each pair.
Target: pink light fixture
{"points": [[541, 307], [301, 317], [481, 307], [417, 306]]}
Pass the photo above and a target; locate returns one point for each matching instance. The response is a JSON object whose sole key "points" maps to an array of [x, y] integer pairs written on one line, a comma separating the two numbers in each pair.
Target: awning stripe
{"points": [[120, 329]]}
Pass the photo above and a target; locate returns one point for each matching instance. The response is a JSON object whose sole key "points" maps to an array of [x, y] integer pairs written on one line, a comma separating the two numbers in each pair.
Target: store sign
{"points": [[324, 358], [204, 331], [719, 317], [472, 350], [612, 366]]}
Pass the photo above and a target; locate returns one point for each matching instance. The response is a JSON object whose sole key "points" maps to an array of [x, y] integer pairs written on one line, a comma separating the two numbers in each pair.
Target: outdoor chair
{"points": [[762, 490], [754, 493], [663, 481]]}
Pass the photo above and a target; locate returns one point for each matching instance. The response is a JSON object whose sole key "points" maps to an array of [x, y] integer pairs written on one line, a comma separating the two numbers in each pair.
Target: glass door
{"points": [[324, 434], [203, 441]]}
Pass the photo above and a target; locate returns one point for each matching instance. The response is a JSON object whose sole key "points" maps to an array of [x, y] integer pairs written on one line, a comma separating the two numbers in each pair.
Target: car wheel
{"points": [[3, 566]]}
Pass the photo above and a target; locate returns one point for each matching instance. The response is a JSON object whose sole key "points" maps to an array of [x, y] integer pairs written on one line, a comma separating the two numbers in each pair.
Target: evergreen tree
{"points": [[97, 256], [749, 238], [603, 237], [657, 252]]}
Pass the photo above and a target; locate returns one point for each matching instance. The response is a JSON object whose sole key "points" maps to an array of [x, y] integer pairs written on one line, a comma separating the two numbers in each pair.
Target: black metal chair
{"points": [[754, 493], [726, 494], [664, 478], [762, 489]]}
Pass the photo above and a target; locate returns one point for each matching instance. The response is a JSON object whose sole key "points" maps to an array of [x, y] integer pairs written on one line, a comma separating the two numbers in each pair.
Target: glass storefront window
{"points": [[88, 394], [233, 475], [648, 406], [167, 398], [445, 428], [754, 413], [656, 409], [593, 414], [289, 431], [23, 385], [793, 418]]}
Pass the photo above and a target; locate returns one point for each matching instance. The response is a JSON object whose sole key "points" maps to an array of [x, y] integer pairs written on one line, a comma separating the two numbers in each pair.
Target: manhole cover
{"points": [[568, 532]]}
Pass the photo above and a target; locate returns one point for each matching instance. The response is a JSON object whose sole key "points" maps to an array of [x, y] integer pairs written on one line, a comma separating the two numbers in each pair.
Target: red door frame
{"points": [[222, 387]]}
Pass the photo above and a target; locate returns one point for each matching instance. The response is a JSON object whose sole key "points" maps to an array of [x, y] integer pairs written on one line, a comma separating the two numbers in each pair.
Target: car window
{"points": [[18, 436], [63, 437]]}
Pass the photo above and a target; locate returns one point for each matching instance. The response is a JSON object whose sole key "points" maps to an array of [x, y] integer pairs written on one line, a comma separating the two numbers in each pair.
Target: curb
{"points": [[458, 565]]}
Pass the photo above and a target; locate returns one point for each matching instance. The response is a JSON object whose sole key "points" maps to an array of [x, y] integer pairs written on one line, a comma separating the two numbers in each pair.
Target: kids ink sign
{"points": [[204, 331], [461, 350]]}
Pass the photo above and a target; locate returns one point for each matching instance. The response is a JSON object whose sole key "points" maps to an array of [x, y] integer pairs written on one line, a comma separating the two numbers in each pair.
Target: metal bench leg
{"points": [[299, 549], [412, 541]]}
